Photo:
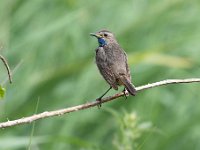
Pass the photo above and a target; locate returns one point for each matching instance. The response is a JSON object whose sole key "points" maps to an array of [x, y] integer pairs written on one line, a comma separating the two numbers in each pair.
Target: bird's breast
{"points": [[100, 54]]}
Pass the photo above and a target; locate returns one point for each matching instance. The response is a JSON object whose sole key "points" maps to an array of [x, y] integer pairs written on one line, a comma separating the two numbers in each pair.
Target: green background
{"points": [[51, 54]]}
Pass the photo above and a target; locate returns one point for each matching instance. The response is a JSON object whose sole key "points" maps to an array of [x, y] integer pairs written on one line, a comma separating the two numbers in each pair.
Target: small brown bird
{"points": [[111, 61]]}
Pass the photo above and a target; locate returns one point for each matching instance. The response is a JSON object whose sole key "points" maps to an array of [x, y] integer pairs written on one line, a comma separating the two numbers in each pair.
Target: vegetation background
{"points": [[49, 49]]}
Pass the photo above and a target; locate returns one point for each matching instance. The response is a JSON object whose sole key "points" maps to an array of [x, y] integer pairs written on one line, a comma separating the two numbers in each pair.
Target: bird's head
{"points": [[104, 37]]}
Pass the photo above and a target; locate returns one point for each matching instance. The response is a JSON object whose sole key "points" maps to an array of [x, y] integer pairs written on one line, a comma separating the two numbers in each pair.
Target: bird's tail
{"points": [[128, 85]]}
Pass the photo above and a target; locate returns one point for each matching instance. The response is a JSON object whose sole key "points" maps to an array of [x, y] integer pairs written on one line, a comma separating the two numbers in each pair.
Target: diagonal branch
{"points": [[7, 67], [60, 112]]}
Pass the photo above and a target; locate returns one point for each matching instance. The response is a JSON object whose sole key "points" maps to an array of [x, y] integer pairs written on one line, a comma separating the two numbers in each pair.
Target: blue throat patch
{"points": [[102, 42]]}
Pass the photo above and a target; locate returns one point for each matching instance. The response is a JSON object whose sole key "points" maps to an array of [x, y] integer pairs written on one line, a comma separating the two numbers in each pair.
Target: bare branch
{"points": [[60, 112], [7, 67]]}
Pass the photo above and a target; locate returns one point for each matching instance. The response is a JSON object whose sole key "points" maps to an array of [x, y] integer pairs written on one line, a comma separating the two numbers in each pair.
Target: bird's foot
{"points": [[99, 100], [124, 91]]}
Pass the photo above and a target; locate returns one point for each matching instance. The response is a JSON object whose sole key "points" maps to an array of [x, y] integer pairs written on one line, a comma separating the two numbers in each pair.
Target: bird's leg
{"points": [[99, 99], [124, 91]]}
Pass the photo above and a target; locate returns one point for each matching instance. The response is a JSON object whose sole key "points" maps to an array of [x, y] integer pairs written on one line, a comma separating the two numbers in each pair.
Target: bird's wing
{"points": [[121, 62], [127, 67]]}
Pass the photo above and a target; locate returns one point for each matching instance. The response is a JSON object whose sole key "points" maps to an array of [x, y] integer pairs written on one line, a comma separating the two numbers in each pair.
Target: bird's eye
{"points": [[105, 35]]}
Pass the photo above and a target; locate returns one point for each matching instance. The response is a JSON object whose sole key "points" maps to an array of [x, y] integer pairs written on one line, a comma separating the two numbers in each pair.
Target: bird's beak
{"points": [[95, 35]]}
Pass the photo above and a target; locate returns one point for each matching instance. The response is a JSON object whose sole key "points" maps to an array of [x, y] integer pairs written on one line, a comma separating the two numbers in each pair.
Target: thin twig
{"points": [[91, 104], [7, 67]]}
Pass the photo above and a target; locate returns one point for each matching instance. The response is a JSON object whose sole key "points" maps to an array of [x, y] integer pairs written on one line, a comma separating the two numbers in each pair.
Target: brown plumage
{"points": [[111, 61]]}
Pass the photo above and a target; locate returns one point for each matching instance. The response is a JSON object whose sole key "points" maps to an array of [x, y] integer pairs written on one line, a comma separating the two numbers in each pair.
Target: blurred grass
{"points": [[50, 42]]}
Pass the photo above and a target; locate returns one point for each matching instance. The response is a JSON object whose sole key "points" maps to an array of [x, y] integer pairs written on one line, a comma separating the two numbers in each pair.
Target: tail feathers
{"points": [[128, 85]]}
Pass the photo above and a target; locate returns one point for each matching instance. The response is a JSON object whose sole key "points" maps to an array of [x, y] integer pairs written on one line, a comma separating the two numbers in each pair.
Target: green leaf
{"points": [[2, 92]]}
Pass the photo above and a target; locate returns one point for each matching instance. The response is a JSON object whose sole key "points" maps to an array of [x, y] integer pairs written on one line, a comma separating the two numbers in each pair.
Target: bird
{"points": [[111, 60]]}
